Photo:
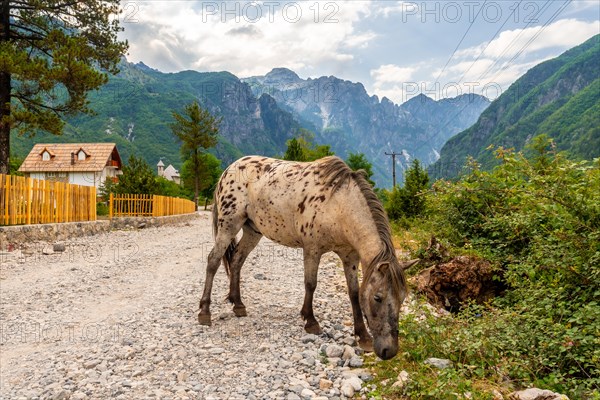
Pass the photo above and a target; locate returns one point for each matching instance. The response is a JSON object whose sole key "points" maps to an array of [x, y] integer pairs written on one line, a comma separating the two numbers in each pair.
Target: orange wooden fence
{"points": [[147, 205], [34, 201]]}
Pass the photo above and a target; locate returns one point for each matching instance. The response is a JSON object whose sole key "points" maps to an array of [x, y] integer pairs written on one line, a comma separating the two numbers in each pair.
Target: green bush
{"points": [[537, 217], [102, 209]]}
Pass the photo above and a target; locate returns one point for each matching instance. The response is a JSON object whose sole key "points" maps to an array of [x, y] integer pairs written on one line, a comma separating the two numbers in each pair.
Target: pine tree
{"points": [[52, 53], [198, 131]]}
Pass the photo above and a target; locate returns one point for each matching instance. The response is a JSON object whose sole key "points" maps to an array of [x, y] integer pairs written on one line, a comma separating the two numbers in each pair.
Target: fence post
{"points": [[110, 206]]}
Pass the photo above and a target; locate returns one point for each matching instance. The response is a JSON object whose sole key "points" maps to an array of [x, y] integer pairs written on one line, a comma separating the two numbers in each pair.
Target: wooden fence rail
{"points": [[34, 201], [147, 205]]}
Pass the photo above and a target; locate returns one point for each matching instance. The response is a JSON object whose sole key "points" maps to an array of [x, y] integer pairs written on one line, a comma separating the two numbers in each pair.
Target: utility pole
{"points": [[393, 154]]}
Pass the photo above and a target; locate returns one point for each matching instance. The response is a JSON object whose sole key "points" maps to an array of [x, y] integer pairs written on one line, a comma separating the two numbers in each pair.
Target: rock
{"points": [[348, 353], [350, 341], [347, 389], [307, 394], [355, 381], [58, 247], [217, 350], [536, 394], [293, 396], [334, 351], [356, 362], [260, 277], [48, 250], [439, 363], [62, 395], [78, 396], [91, 364], [402, 380], [325, 384], [308, 338]]}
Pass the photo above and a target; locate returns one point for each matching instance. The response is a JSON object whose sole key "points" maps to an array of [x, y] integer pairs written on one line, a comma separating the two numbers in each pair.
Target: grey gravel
{"points": [[114, 316]]}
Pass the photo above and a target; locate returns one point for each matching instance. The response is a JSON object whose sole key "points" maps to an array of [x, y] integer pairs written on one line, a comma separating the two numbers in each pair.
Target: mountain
{"points": [[261, 113], [559, 97], [342, 114], [134, 110]]}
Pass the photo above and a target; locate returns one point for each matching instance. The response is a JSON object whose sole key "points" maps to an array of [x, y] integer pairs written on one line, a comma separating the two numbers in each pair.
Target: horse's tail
{"points": [[228, 256]]}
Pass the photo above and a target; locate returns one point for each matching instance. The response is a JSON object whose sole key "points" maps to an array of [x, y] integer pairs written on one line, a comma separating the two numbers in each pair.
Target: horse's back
{"points": [[283, 199]]}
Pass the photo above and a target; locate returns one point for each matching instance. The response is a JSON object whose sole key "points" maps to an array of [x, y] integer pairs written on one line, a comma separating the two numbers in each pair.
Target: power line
{"points": [[460, 42], [491, 40], [550, 20], [490, 68]]}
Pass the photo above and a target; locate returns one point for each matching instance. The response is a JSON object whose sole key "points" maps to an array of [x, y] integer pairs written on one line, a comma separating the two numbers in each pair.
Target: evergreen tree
{"points": [[408, 201], [137, 178], [294, 151], [52, 53], [198, 130], [358, 161]]}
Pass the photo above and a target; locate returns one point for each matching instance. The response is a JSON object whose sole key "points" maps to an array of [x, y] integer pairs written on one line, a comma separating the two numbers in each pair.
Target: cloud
{"points": [[392, 73], [249, 38], [248, 30], [563, 33]]}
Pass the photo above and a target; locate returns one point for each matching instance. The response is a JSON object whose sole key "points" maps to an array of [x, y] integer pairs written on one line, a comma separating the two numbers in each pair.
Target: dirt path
{"points": [[114, 316]]}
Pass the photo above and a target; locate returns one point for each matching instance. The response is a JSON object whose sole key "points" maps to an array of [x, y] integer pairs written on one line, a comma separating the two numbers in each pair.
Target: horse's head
{"points": [[381, 295]]}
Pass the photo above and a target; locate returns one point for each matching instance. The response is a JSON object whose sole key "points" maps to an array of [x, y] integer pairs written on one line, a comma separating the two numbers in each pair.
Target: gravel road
{"points": [[114, 317]]}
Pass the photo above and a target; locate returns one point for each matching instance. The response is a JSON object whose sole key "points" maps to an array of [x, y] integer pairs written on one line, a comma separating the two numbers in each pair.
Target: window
{"points": [[81, 155], [46, 156]]}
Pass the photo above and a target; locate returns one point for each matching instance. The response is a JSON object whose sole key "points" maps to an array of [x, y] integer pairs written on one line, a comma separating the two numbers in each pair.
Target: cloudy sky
{"points": [[395, 48]]}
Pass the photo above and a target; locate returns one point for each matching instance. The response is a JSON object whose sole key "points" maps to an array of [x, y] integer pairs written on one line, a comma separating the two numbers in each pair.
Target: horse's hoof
{"points": [[313, 328], [204, 319], [366, 344], [240, 311]]}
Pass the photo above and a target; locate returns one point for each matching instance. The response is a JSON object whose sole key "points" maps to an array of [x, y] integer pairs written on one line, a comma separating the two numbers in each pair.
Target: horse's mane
{"points": [[335, 174]]}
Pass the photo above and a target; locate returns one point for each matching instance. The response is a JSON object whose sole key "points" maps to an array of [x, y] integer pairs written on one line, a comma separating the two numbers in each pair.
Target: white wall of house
{"points": [[84, 178]]}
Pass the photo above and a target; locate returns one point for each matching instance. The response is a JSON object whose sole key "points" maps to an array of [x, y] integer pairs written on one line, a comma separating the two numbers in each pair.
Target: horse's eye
{"points": [[377, 298]]}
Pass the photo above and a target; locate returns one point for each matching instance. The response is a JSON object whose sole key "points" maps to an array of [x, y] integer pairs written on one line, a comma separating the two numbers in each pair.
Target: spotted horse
{"points": [[318, 206]]}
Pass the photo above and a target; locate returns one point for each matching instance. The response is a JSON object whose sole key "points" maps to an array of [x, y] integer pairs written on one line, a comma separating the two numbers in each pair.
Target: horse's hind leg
{"points": [[222, 242], [351, 261], [248, 242], [311, 269]]}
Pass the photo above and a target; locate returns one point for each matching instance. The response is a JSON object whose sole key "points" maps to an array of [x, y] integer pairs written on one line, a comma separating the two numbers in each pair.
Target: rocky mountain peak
{"points": [[281, 75]]}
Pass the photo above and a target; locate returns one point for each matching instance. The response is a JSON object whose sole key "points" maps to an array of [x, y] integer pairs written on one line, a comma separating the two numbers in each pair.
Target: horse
{"points": [[318, 206]]}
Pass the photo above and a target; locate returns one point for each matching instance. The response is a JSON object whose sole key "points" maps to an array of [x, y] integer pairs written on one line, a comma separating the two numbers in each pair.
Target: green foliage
{"points": [[137, 178], [294, 151], [54, 54], [172, 189], [198, 131], [539, 218], [210, 171], [409, 201], [14, 164], [358, 161], [303, 148], [102, 209]]}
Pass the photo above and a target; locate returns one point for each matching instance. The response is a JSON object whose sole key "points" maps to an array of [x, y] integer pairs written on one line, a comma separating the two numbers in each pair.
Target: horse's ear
{"points": [[407, 264], [383, 267]]}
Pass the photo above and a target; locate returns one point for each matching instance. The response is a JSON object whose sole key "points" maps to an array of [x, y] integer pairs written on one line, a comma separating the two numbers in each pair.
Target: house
{"points": [[88, 164], [169, 173]]}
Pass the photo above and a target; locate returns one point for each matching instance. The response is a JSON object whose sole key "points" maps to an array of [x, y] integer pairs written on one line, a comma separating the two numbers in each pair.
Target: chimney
{"points": [[72, 158]]}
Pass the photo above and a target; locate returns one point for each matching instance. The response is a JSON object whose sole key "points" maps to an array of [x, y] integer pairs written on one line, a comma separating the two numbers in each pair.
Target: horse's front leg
{"points": [[351, 261], [311, 269]]}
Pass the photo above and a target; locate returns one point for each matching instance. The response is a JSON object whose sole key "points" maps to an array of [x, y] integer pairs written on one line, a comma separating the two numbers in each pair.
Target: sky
{"points": [[396, 49]]}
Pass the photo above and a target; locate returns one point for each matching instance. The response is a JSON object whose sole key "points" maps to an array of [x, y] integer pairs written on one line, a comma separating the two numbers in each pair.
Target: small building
{"points": [[88, 164], [169, 173]]}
